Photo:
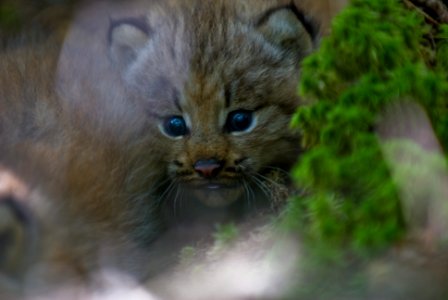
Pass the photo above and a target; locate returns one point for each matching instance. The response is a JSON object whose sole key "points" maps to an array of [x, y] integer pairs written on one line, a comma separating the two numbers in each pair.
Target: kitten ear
{"points": [[126, 38], [288, 28]]}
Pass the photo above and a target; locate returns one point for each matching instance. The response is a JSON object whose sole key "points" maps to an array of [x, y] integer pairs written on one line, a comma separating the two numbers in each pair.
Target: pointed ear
{"points": [[288, 28], [126, 38]]}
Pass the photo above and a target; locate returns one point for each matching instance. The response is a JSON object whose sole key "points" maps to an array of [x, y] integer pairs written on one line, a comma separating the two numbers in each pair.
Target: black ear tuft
{"points": [[126, 37], [310, 25]]}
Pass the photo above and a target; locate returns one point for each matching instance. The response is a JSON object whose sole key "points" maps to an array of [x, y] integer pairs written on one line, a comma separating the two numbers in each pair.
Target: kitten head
{"points": [[217, 80]]}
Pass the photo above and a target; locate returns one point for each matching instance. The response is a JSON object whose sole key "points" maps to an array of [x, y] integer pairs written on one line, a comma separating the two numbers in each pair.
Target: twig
{"points": [[436, 6], [410, 4]]}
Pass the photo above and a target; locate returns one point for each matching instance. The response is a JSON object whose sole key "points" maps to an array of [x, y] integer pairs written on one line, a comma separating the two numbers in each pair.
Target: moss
{"points": [[225, 235], [377, 54], [442, 57]]}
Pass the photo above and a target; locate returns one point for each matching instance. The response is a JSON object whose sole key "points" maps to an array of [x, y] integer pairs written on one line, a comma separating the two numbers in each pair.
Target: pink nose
{"points": [[208, 168]]}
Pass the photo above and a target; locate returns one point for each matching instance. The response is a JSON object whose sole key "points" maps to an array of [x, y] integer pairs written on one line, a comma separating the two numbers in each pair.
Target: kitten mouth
{"points": [[217, 194], [215, 186]]}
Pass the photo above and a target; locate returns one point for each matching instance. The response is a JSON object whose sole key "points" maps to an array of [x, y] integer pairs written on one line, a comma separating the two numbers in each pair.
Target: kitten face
{"points": [[217, 80]]}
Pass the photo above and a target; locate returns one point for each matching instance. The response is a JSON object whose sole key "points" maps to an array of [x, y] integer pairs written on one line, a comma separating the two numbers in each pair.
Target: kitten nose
{"points": [[208, 168]]}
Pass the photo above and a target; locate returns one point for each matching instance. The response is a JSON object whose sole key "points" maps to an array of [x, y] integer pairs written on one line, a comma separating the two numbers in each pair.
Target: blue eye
{"points": [[239, 120], [175, 126]]}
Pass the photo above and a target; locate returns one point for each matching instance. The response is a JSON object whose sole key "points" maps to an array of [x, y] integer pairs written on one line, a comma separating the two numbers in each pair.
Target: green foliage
{"points": [[187, 255], [376, 55], [225, 234], [442, 49]]}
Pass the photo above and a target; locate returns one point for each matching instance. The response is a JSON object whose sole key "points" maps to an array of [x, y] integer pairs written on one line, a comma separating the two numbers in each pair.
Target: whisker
{"points": [[247, 193], [284, 172], [252, 192], [161, 183], [263, 179], [270, 180], [147, 193], [279, 191], [167, 192], [261, 185], [175, 202]]}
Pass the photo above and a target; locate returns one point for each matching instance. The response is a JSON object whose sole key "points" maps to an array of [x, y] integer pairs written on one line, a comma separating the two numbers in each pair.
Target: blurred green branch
{"points": [[378, 53]]}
